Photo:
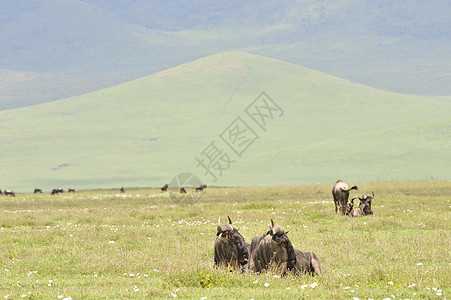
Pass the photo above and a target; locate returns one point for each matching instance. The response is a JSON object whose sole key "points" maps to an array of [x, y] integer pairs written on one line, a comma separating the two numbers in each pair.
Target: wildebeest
{"points": [[274, 252], [182, 190], [37, 190], [231, 250], [340, 191], [1, 193], [363, 209], [201, 187], [71, 190], [122, 189], [9, 193], [164, 188], [57, 191]]}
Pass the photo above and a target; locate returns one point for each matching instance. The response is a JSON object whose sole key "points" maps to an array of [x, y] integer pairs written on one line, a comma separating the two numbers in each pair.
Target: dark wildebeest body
{"points": [[37, 190], [122, 189], [201, 187], [364, 208], [10, 193], [274, 252], [57, 191], [231, 250], [165, 187], [1, 193], [182, 190], [71, 190], [340, 191]]}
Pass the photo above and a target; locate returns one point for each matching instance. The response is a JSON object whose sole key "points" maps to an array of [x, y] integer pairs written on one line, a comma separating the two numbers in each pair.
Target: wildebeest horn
{"points": [[373, 194], [219, 224], [272, 223], [230, 221]]}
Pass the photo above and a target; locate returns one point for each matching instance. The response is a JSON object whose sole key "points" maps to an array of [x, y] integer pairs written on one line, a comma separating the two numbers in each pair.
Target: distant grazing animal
{"points": [[122, 189], [182, 190], [364, 208], [201, 187], [1, 193], [57, 191], [340, 191], [10, 193], [37, 190], [164, 188], [71, 190], [231, 250], [274, 252]]}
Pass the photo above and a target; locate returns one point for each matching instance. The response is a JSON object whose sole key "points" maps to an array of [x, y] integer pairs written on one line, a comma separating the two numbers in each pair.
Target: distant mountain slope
{"points": [[144, 132], [399, 46]]}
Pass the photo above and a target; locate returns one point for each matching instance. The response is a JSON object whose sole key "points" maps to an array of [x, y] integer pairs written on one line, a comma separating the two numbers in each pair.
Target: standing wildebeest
{"points": [[274, 252], [38, 190], [122, 189], [201, 187], [164, 188], [340, 191], [182, 190], [57, 191], [1, 193], [363, 209], [10, 193], [69, 190], [231, 250]]}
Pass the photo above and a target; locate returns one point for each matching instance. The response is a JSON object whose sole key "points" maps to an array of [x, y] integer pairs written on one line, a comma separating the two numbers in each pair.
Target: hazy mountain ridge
{"points": [[403, 47]]}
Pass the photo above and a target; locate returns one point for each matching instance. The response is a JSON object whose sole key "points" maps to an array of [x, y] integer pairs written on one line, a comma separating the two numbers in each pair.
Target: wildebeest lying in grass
{"points": [[57, 191], [182, 190], [9, 193], [231, 250], [340, 191], [363, 209], [37, 190], [71, 190], [201, 187], [274, 252], [164, 188]]}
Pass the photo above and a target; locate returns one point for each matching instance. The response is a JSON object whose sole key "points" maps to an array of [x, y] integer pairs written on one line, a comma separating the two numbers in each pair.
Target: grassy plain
{"points": [[142, 244]]}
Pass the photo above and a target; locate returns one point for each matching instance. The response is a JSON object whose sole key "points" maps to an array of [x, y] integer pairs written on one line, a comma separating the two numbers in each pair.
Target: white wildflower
{"points": [[266, 284], [313, 285], [390, 282]]}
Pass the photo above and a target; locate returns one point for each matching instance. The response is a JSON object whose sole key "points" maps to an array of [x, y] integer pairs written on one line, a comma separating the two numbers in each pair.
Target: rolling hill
{"points": [[318, 128]]}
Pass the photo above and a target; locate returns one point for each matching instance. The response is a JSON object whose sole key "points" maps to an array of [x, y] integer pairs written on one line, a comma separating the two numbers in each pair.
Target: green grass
{"points": [[144, 132], [100, 244]]}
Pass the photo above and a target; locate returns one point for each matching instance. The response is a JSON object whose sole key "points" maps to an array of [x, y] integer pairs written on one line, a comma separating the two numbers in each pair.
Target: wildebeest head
{"points": [[279, 236], [367, 199], [230, 241]]}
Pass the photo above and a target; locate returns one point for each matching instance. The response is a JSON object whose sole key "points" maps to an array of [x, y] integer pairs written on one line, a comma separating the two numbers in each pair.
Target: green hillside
{"points": [[144, 132]]}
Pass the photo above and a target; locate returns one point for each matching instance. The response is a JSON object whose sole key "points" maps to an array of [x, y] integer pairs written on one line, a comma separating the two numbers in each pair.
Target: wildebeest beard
{"points": [[283, 238], [240, 243]]}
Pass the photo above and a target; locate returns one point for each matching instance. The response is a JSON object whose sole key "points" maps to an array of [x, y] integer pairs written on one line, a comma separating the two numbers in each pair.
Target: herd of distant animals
{"points": [[272, 251], [340, 192]]}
